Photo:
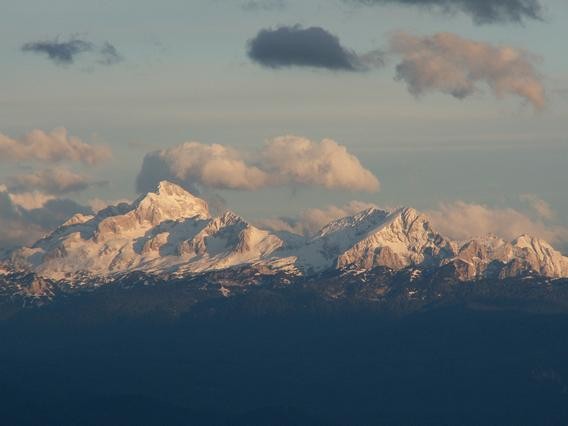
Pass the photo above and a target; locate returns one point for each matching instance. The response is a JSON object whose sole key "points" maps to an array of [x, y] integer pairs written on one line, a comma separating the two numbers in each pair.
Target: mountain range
{"points": [[169, 235], [156, 312]]}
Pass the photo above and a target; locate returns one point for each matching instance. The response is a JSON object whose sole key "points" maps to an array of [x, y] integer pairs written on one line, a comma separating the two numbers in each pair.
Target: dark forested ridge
{"points": [[326, 351]]}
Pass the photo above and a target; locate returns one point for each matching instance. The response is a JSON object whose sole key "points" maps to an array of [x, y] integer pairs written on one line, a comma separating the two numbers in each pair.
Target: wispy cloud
{"points": [[109, 55], [310, 221], [65, 52], [539, 206], [481, 11], [448, 63]]}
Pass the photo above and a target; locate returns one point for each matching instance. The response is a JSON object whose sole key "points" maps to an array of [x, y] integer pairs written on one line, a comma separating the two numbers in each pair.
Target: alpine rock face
{"points": [[170, 232]]}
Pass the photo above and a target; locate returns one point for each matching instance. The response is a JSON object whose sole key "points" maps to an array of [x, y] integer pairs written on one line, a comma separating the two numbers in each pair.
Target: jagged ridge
{"points": [[170, 231]]}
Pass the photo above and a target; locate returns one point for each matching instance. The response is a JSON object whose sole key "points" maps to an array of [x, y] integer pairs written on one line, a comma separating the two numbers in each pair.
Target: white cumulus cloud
{"points": [[301, 161], [287, 160], [54, 146]]}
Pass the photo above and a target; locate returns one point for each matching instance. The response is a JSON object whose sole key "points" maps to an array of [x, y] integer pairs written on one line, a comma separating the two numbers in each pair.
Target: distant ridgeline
{"points": [[168, 239]]}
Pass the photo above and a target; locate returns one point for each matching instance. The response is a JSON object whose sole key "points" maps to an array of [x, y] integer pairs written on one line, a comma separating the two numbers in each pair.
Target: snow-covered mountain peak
{"points": [[372, 219], [491, 256], [169, 230], [407, 213], [540, 256], [360, 222], [163, 231], [374, 237], [169, 202], [404, 238], [165, 187], [482, 247]]}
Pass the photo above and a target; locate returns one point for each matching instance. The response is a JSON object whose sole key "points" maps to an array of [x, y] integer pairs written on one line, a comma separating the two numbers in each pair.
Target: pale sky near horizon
{"points": [[185, 76]]}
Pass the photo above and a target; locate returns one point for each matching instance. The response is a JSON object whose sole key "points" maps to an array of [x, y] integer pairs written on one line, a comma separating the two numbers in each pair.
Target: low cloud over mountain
{"points": [[312, 220], [462, 220], [287, 160], [26, 218]]}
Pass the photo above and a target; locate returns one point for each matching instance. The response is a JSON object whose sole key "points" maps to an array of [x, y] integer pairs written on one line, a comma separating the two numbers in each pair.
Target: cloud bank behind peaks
{"points": [[461, 220], [24, 218], [194, 164], [310, 221], [287, 160], [52, 147], [450, 64], [314, 47], [65, 52], [51, 181], [481, 11]]}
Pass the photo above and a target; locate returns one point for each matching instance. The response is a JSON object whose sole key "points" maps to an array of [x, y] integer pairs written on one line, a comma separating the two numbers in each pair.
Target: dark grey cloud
{"points": [[156, 169], [8, 210], [66, 52], [294, 46], [60, 52], [481, 11]]}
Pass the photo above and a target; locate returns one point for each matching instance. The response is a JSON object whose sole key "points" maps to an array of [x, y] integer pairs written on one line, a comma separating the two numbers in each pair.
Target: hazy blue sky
{"points": [[185, 75]]}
